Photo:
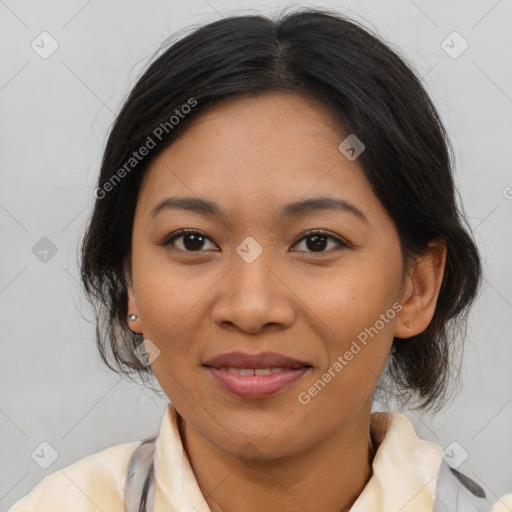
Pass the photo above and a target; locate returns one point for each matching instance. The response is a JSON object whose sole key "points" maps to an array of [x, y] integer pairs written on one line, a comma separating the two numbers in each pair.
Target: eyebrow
{"points": [[207, 207]]}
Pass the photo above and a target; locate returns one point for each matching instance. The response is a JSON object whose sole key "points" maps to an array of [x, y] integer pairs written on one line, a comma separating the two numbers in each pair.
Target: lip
{"points": [[256, 386], [261, 360]]}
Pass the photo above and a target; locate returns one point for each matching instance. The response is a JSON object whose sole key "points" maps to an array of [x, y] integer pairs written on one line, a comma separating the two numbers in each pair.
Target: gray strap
{"points": [[453, 496], [139, 489]]}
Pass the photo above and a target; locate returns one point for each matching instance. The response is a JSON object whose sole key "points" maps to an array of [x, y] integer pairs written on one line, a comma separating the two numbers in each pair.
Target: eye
{"points": [[318, 240], [193, 240]]}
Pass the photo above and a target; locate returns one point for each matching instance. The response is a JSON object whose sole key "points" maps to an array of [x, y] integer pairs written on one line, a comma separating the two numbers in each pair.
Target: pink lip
{"points": [[257, 386], [261, 360]]}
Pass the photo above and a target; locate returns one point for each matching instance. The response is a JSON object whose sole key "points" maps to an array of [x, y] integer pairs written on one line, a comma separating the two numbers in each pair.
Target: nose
{"points": [[253, 297]]}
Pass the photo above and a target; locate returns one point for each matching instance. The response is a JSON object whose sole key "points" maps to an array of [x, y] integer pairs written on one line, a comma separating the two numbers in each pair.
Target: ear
{"points": [[421, 290], [135, 325]]}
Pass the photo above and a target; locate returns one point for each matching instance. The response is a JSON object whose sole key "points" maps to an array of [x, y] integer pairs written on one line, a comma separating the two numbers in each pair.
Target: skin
{"points": [[251, 155]]}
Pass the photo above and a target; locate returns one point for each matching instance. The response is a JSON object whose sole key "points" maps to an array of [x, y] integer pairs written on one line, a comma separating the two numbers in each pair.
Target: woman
{"points": [[275, 237]]}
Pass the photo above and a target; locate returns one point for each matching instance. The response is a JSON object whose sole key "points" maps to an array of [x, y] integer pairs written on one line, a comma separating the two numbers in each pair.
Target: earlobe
{"points": [[421, 290]]}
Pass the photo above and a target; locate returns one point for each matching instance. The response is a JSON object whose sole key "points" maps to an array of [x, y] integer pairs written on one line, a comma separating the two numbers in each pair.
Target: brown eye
{"points": [[317, 241], [191, 240]]}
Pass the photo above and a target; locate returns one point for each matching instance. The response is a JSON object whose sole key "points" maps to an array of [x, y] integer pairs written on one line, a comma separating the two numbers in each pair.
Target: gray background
{"points": [[55, 116]]}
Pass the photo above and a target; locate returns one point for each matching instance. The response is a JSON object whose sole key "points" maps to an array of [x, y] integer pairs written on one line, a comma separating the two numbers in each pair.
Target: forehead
{"points": [[254, 152]]}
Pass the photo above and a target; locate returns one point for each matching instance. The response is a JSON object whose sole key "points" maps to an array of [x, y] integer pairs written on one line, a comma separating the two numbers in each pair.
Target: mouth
{"points": [[253, 376]]}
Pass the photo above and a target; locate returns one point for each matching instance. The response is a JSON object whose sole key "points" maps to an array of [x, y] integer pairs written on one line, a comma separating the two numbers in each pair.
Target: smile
{"points": [[252, 371]]}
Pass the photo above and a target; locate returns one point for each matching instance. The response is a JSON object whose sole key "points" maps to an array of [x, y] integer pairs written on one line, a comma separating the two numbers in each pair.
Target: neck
{"points": [[328, 476]]}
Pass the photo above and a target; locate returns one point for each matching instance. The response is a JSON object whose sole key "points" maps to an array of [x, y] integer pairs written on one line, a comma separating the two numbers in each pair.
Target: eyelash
{"points": [[308, 234]]}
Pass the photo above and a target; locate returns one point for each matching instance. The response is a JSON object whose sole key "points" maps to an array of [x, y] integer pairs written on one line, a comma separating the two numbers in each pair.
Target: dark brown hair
{"points": [[373, 93]]}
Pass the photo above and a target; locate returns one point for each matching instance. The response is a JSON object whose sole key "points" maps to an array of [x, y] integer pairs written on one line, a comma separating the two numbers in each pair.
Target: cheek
{"points": [[357, 355], [348, 299], [168, 300], [166, 290], [359, 312]]}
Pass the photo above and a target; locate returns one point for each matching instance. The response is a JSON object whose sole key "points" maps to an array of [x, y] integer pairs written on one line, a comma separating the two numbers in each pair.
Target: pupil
{"points": [[196, 245], [192, 242], [319, 244]]}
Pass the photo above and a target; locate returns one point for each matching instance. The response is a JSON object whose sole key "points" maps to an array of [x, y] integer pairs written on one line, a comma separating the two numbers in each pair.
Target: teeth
{"points": [[252, 371]]}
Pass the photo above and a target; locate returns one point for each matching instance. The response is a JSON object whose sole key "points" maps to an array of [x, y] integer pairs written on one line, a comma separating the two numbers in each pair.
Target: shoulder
{"points": [[93, 483]]}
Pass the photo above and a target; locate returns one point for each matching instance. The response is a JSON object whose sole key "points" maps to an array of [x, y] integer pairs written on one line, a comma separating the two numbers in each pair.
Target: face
{"points": [[255, 278]]}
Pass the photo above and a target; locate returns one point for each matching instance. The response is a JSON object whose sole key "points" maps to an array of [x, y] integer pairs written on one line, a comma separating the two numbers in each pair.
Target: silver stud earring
{"points": [[132, 318]]}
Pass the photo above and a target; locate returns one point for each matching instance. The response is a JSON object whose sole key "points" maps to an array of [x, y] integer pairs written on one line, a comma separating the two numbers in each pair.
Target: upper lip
{"points": [[261, 360]]}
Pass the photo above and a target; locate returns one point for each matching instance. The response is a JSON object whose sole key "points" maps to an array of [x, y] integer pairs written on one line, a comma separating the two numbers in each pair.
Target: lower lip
{"points": [[257, 386]]}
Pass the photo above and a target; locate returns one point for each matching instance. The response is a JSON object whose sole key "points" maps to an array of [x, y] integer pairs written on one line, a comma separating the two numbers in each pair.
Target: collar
{"points": [[404, 469]]}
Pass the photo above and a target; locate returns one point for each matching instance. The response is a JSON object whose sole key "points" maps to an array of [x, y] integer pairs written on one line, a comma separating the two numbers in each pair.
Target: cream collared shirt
{"points": [[404, 475]]}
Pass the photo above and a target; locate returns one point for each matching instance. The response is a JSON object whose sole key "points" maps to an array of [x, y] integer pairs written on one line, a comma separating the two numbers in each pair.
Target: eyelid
{"points": [[343, 243], [323, 232], [182, 232]]}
